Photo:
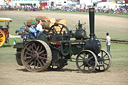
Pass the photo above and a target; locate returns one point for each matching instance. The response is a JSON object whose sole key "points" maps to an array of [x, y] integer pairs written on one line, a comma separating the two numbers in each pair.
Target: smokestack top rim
{"points": [[91, 9]]}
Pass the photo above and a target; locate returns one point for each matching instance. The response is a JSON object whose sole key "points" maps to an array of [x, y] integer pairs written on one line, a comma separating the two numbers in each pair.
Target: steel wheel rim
{"points": [[2, 38], [106, 61], [35, 56], [86, 61]]}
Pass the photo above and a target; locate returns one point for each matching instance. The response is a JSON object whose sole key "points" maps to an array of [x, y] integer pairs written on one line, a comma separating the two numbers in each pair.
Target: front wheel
{"points": [[86, 61], [104, 61]]}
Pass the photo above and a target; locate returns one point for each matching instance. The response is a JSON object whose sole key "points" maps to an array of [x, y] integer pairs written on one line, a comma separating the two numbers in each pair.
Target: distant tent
{"points": [[126, 1]]}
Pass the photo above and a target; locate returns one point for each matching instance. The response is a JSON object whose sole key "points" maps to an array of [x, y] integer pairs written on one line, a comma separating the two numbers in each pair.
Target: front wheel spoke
{"points": [[81, 65], [81, 57], [89, 65], [105, 55], [80, 61], [106, 64], [90, 58], [84, 55], [106, 59], [84, 68], [103, 67]]}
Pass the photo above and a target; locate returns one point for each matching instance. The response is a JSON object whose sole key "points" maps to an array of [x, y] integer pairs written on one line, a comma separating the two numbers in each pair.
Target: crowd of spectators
{"points": [[119, 10]]}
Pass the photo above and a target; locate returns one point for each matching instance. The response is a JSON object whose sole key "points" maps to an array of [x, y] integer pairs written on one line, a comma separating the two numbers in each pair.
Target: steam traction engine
{"points": [[52, 49]]}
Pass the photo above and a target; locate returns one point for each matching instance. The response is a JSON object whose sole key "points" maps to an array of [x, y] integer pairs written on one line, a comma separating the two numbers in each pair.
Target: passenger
{"points": [[33, 31], [39, 26], [23, 36]]}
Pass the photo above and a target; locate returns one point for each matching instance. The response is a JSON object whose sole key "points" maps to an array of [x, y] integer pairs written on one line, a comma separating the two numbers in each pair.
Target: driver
{"points": [[33, 31]]}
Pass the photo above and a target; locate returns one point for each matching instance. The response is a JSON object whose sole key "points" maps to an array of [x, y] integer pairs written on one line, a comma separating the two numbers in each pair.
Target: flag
{"points": [[14, 42]]}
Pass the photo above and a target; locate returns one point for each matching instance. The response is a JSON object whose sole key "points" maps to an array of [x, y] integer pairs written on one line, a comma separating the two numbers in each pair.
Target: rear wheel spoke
{"points": [[40, 49], [37, 48], [41, 52], [34, 64], [30, 61], [29, 53], [39, 62], [33, 45], [42, 58], [43, 55], [29, 50]]}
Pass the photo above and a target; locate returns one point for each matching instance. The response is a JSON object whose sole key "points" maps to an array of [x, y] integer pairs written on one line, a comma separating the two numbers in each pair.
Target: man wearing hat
{"points": [[33, 31]]}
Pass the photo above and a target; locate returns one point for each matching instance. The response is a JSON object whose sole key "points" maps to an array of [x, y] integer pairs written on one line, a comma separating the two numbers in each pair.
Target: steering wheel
{"points": [[58, 29]]}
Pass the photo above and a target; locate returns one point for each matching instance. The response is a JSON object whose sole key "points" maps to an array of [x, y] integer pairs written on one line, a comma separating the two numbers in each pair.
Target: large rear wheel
{"points": [[36, 56], [2, 38]]}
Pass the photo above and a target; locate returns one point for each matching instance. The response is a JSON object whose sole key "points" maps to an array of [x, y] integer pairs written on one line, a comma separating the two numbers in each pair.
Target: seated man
{"points": [[33, 31]]}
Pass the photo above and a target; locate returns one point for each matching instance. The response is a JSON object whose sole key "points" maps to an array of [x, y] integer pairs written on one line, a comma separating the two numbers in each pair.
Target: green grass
{"points": [[104, 14]]}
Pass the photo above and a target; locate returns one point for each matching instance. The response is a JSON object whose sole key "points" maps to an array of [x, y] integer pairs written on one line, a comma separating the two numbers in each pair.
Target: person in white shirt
{"points": [[108, 40], [39, 26]]}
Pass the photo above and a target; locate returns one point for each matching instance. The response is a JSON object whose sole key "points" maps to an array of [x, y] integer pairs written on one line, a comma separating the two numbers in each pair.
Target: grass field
{"points": [[116, 26], [12, 74]]}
